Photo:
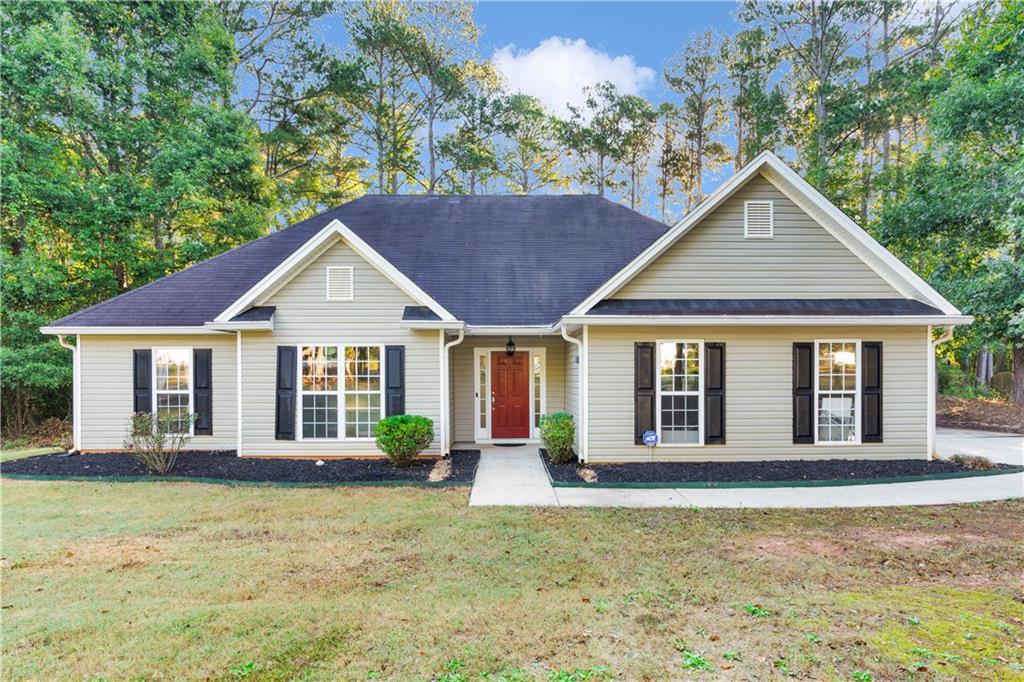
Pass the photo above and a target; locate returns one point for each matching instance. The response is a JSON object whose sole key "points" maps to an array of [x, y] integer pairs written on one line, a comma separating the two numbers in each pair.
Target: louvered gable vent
{"points": [[759, 220], [340, 286]]}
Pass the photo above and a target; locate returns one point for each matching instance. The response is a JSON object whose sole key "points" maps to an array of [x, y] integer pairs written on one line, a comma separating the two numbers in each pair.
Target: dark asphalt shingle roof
{"points": [[260, 313], [489, 260], [419, 313], [763, 306]]}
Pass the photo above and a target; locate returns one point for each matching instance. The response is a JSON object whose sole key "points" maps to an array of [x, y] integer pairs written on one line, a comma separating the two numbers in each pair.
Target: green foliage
{"points": [[600, 672], [558, 432], [757, 610], [404, 436], [157, 441]]}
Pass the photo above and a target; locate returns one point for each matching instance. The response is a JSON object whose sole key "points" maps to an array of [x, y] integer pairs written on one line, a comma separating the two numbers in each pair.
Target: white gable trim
{"points": [[833, 220], [311, 249]]}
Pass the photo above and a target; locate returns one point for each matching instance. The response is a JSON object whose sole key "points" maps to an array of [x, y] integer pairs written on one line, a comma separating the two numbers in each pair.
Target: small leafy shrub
{"points": [[976, 462], [558, 431], [157, 441], [403, 436], [756, 610]]}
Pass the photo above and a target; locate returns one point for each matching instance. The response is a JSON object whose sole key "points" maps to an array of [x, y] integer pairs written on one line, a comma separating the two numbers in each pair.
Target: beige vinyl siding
{"points": [[107, 387], [758, 389], [714, 260], [466, 409], [304, 316]]}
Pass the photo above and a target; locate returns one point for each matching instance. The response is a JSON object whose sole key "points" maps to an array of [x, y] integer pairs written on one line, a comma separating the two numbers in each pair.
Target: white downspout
{"points": [[933, 345], [583, 410], [445, 445], [238, 387], [76, 387]]}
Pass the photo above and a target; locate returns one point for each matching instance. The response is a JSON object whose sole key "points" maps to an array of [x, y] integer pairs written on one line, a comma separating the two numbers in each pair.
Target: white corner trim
{"points": [[895, 272], [238, 381], [353, 241], [76, 389]]}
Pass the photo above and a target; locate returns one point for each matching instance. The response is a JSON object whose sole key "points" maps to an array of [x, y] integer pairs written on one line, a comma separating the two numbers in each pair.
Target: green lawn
{"points": [[18, 453], [179, 580]]}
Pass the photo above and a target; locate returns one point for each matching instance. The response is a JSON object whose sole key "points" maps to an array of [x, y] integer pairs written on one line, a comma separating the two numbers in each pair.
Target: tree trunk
{"points": [[982, 370], [1017, 391]]}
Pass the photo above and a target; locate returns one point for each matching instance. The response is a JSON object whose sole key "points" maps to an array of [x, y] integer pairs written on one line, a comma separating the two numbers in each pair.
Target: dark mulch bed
{"points": [[225, 466], [740, 472]]}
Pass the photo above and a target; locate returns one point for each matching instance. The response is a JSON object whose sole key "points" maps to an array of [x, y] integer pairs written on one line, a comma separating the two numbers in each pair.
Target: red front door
{"points": [[510, 395]]}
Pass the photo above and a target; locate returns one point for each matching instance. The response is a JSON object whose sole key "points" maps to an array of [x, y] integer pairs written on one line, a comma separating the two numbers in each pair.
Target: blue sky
{"points": [[552, 49]]}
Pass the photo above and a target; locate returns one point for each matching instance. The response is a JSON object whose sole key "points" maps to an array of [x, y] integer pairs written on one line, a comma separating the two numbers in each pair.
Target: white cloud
{"points": [[556, 71]]}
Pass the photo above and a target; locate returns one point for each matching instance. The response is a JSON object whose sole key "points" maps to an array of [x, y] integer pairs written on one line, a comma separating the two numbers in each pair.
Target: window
{"points": [[679, 392], [319, 392], [483, 393], [837, 391], [360, 391], [538, 368], [172, 369], [758, 220], [340, 285]]}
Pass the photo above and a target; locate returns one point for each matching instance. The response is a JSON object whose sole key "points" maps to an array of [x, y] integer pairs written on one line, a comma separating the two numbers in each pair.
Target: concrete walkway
{"points": [[1007, 448], [516, 477]]}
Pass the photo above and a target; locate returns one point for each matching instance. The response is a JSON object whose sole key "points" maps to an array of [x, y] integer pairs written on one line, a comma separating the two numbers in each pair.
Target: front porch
{"points": [[496, 397]]}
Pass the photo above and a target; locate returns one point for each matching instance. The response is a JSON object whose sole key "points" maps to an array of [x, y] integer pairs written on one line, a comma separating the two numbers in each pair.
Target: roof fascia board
{"points": [[536, 330], [851, 235], [301, 255], [267, 325], [433, 324], [766, 320], [126, 331], [648, 255], [895, 272]]}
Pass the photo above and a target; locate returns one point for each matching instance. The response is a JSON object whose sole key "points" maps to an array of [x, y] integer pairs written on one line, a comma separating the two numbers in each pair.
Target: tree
{"points": [[445, 37], [302, 97], [640, 121], [758, 109], [593, 135], [674, 165], [391, 109], [120, 164], [471, 147], [694, 74], [530, 157], [960, 212]]}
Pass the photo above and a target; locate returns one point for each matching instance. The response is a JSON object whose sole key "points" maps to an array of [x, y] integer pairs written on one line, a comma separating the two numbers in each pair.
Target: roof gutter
{"points": [[767, 320], [124, 331]]}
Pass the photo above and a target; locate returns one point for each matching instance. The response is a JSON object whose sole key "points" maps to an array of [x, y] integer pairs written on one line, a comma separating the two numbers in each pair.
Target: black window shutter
{"points": [[284, 421], [714, 393], [394, 369], [803, 393], [202, 389], [871, 391], [643, 390], [142, 373]]}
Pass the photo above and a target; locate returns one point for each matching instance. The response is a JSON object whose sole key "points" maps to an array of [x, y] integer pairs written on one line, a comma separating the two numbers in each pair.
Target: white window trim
{"points": [[191, 382], [856, 394], [340, 392], [483, 435], [700, 395], [351, 279], [771, 219]]}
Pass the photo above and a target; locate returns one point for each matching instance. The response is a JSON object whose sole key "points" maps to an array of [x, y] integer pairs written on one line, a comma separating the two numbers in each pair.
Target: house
{"points": [[765, 325]]}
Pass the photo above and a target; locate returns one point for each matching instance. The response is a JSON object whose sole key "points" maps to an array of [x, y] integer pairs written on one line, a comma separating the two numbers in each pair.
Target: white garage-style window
{"points": [[680, 392], [838, 391], [359, 391], [172, 373]]}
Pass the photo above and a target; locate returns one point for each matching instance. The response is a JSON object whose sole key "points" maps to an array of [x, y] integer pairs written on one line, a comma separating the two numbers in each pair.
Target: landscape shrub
{"points": [[156, 442], [558, 431], [403, 436], [976, 462]]}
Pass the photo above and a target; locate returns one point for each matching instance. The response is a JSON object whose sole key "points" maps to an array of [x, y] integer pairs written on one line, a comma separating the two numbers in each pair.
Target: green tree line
{"points": [[138, 138]]}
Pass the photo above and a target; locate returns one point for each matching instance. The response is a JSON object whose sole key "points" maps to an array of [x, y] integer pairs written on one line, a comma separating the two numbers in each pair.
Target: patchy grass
{"points": [[175, 580], [18, 453]]}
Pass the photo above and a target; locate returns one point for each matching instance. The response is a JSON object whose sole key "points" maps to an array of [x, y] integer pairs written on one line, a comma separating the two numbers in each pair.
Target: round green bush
{"points": [[558, 431], [403, 436]]}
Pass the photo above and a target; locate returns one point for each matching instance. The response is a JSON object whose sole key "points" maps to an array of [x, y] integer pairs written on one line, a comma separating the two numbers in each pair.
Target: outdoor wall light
{"points": [[510, 347]]}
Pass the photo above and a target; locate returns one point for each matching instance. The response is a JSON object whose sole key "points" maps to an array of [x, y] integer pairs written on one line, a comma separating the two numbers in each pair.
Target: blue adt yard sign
{"points": [[650, 438]]}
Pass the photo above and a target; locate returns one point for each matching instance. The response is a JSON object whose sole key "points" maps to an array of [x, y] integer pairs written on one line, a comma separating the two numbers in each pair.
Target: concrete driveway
{"points": [[1006, 448]]}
